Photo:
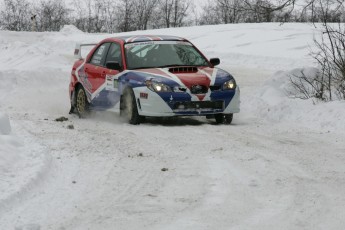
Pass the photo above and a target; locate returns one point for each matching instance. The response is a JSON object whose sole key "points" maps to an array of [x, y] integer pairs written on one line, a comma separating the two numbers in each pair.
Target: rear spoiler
{"points": [[77, 51]]}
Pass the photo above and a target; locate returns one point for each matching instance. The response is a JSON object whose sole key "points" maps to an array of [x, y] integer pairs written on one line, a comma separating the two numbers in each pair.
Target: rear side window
{"points": [[98, 57]]}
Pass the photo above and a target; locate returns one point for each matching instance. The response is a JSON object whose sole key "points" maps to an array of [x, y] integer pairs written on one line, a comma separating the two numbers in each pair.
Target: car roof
{"points": [[147, 38]]}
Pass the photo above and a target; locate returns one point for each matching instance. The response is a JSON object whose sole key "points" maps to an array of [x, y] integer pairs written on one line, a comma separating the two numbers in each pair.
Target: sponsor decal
{"points": [[139, 44], [130, 45], [144, 95], [76, 51], [84, 79], [100, 51], [111, 83]]}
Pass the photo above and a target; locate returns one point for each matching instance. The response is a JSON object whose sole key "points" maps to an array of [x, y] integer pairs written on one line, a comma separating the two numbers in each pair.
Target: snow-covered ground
{"points": [[280, 165]]}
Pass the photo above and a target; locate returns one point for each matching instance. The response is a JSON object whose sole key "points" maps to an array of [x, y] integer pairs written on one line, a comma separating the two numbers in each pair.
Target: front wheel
{"points": [[128, 107], [223, 118], [81, 103]]}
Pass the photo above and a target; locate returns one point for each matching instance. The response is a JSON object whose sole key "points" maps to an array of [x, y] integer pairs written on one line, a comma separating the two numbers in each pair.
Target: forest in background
{"points": [[110, 16]]}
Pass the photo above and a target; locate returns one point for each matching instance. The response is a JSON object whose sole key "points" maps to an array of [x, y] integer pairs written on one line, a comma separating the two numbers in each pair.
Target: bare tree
{"points": [[79, 16], [230, 10], [174, 12], [143, 10], [51, 15], [179, 12], [99, 17], [16, 15], [331, 58], [235, 11], [110, 22], [125, 10], [166, 9], [329, 84], [127, 15], [309, 85], [94, 16]]}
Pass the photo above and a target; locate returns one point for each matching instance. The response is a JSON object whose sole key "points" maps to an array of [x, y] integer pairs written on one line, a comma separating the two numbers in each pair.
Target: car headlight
{"points": [[158, 86], [229, 84]]}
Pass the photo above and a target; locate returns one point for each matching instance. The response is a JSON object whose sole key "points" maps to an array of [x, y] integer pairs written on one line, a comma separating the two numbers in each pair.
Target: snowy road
{"points": [[263, 172], [247, 176]]}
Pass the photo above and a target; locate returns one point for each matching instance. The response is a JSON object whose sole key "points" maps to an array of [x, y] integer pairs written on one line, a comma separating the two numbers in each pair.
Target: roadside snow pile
{"points": [[273, 102], [5, 127], [70, 29], [22, 164]]}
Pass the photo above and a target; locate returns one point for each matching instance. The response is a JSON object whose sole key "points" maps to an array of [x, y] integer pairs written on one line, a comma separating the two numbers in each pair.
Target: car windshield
{"points": [[158, 54]]}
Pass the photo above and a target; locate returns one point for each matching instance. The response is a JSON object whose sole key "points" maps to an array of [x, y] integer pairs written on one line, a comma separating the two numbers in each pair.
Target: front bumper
{"points": [[183, 104]]}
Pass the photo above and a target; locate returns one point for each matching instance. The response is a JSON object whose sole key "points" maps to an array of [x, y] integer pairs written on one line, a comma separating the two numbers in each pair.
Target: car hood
{"points": [[186, 76]]}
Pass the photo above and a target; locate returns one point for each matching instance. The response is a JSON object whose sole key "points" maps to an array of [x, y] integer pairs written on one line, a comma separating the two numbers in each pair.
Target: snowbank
{"points": [[70, 29], [22, 163], [274, 103], [5, 127]]}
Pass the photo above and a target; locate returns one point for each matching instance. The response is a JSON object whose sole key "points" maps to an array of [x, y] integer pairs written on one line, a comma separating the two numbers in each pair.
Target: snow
{"points": [[69, 29], [5, 127], [280, 165], [273, 102]]}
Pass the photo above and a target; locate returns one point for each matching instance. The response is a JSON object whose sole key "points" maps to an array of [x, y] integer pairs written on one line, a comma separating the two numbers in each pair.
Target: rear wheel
{"points": [[223, 118], [128, 107], [81, 103]]}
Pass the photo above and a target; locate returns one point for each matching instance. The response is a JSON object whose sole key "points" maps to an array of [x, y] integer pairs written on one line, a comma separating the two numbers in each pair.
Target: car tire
{"points": [[81, 104], [222, 118], [128, 107]]}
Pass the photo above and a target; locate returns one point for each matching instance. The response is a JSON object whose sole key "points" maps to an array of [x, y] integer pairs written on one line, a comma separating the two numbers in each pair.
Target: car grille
{"points": [[199, 105], [198, 89], [215, 87]]}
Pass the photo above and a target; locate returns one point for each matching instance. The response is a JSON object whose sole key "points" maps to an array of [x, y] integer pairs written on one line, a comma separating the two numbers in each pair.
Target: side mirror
{"points": [[114, 65], [215, 61]]}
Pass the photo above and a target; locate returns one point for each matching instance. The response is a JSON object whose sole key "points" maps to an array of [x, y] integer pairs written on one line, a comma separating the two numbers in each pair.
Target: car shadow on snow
{"points": [[179, 121], [114, 118], [173, 121]]}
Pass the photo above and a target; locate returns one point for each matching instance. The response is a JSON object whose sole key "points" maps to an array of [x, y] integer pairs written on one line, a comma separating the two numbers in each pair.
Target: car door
{"points": [[95, 67], [112, 76]]}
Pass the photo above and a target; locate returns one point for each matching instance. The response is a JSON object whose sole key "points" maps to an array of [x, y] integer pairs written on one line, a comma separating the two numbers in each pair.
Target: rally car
{"points": [[152, 76]]}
